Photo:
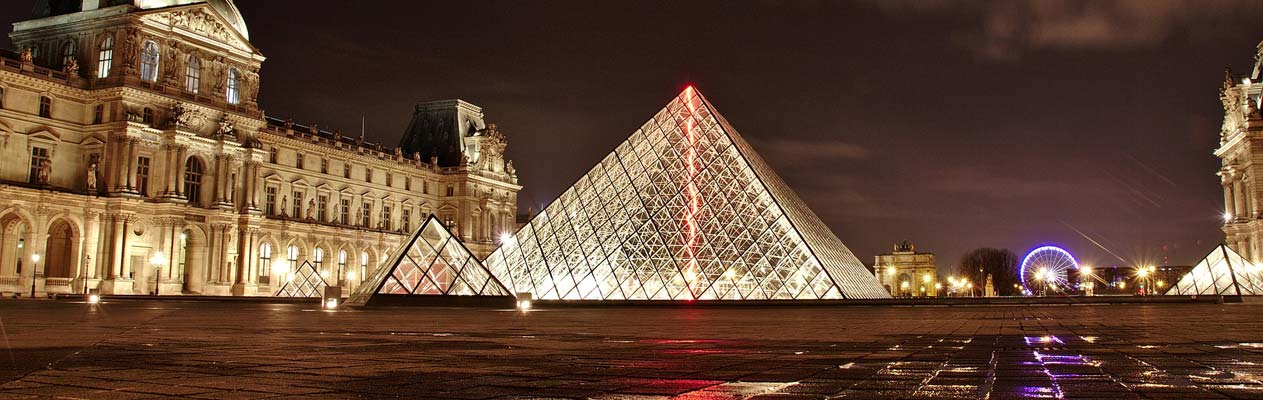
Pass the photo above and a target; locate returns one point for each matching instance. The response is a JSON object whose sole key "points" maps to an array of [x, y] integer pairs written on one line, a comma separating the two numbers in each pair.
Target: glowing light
{"points": [[890, 270], [1041, 274], [324, 274], [1161, 283], [158, 260], [1122, 285], [1085, 270], [1142, 271], [94, 299], [184, 236], [694, 203], [903, 285], [1227, 216], [927, 278], [524, 305], [35, 257], [938, 286], [331, 304], [350, 275], [1055, 260], [506, 238]]}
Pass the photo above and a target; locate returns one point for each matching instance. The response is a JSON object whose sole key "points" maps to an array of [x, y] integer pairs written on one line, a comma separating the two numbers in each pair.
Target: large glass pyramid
{"points": [[1222, 272], [682, 210], [304, 281], [432, 262]]}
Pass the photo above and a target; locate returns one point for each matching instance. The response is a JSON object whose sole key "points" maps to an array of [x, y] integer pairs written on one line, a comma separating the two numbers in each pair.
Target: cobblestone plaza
{"points": [[220, 350]]}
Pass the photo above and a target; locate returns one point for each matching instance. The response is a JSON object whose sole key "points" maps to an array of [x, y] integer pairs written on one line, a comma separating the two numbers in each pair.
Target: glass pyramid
{"points": [[683, 209], [432, 262], [1222, 272], [304, 281]]}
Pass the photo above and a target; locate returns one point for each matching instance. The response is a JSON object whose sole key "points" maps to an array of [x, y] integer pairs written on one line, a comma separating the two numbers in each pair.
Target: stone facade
{"points": [[131, 136], [905, 272], [1241, 152]]}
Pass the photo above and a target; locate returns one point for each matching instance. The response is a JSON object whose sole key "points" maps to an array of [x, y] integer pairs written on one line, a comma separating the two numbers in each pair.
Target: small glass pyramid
{"points": [[684, 209], [432, 262], [304, 281], [1222, 272]]}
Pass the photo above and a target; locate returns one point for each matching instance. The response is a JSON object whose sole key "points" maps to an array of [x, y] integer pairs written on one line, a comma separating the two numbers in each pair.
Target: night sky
{"points": [[954, 125]]}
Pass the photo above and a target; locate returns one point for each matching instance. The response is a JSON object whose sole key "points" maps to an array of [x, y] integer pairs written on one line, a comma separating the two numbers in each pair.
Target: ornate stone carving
{"points": [[45, 172], [27, 56], [201, 22], [186, 118], [226, 129], [71, 68], [131, 47], [92, 178], [171, 64]]}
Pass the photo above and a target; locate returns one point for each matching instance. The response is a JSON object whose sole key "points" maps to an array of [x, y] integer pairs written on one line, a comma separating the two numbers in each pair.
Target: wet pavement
{"points": [[238, 350]]}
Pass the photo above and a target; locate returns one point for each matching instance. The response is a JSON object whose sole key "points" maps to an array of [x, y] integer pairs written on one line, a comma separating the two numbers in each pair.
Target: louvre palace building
{"points": [[136, 160], [1241, 171]]}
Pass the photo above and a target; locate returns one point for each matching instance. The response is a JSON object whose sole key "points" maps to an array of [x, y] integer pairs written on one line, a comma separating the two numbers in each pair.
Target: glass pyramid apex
{"points": [[684, 209], [1223, 272], [304, 281], [432, 262]]}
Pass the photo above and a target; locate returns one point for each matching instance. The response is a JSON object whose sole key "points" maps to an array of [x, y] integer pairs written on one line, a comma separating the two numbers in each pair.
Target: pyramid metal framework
{"points": [[432, 262], [1222, 272], [684, 209], [304, 281]]}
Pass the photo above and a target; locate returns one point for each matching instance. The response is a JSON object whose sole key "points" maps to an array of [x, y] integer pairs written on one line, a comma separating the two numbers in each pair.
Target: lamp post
{"points": [[158, 260], [34, 272]]}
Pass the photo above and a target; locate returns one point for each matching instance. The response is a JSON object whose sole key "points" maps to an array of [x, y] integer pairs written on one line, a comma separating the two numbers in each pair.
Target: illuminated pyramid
{"points": [[1222, 272], [303, 282], [432, 262], [683, 209]]}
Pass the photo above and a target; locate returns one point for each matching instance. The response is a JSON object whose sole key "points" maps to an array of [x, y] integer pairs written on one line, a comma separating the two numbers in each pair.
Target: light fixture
{"points": [[35, 257], [505, 237], [350, 275], [524, 305], [1227, 216], [331, 304], [1085, 270], [94, 299]]}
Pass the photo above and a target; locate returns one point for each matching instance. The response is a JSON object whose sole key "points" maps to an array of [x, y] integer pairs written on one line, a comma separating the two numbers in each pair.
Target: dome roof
{"points": [[45, 8]]}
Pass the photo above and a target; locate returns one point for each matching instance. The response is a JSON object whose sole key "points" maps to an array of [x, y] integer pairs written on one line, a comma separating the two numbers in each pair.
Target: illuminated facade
{"points": [[1241, 171], [131, 129], [1222, 272], [905, 272], [305, 281], [684, 209], [432, 262]]}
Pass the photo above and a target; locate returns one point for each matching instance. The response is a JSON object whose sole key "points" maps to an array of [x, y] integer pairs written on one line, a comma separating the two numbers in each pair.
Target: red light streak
{"points": [[690, 216]]}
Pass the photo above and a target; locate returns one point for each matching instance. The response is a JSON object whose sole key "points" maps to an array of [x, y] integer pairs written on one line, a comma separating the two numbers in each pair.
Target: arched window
{"points": [[363, 264], [292, 256], [193, 180], [342, 266], [105, 57], [149, 62], [320, 262], [193, 75], [67, 53], [233, 95], [265, 262]]}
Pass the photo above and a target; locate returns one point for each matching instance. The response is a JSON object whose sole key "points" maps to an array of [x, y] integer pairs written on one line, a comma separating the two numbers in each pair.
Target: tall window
{"points": [[67, 53], [320, 261], [363, 264], [299, 158], [142, 175], [265, 262], [324, 165], [322, 204], [146, 115], [193, 170], [346, 170], [407, 183], [39, 156], [298, 204], [193, 75], [233, 96], [270, 207], [98, 114], [272, 155], [345, 212], [390, 178], [405, 218], [368, 175], [45, 107], [451, 191], [105, 57], [342, 267], [366, 209], [386, 219], [292, 256], [149, 58]]}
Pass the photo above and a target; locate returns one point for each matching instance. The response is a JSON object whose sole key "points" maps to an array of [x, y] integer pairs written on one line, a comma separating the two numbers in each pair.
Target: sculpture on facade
{"points": [[359, 216], [226, 128], [311, 208], [92, 178], [284, 202], [45, 172], [71, 68], [131, 47], [508, 168], [27, 56], [185, 117]]}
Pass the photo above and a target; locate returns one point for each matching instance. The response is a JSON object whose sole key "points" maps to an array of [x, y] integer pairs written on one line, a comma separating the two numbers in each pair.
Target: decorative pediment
{"points": [[300, 182], [43, 133], [199, 20]]}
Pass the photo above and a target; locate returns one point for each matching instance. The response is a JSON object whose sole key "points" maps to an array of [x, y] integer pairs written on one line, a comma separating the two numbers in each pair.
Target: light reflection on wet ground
{"points": [[229, 350]]}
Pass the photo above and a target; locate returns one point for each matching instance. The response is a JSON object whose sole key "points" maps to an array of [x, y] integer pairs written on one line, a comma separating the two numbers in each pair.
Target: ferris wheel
{"points": [[1045, 269]]}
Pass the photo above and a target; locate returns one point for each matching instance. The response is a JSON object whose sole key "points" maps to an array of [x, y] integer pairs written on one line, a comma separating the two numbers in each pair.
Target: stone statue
{"points": [[45, 172], [27, 55], [434, 161], [359, 216], [92, 178], [416, 156], [226, 128], [71, 68], [311, 208], [284, 202], [398, 152], [508, 167], [131, 47]]}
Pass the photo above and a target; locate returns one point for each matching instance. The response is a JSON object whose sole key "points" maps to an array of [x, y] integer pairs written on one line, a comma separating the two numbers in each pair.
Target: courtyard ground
{"points": [[246, 350]]}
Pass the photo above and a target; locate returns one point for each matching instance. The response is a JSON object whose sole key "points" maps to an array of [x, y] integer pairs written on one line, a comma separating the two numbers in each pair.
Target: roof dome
{"points": [[46, 8]]}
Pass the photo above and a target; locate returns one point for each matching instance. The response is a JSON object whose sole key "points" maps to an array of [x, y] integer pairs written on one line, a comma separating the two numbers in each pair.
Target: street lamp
{"points": [[158, 260], [34, 272]]}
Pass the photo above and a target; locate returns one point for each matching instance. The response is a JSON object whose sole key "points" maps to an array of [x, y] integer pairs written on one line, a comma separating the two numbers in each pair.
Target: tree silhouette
{"points": [[1001, 264]]}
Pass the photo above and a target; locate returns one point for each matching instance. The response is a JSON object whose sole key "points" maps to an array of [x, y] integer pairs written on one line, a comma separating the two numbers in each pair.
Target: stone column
{"points": [[1229, 200], [225, 276], [121, 165], [1238, 209], [169, 172], [8, 246], [132, 154], [181, 155], [255, 186], [221, 173], [88, 244], [125, 254], [29, 248], [244, 283], [116, 245]]}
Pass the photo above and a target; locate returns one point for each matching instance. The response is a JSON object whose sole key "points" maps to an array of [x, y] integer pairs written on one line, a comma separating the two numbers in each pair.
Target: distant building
{"points": [[1241, 174], [906, 272]]}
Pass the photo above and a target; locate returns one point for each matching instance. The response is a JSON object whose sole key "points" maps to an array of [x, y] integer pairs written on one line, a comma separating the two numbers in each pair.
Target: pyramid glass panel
{"points": [[684, 209], [432, 262], [1223, 272], [304, 281]]}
